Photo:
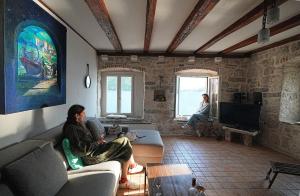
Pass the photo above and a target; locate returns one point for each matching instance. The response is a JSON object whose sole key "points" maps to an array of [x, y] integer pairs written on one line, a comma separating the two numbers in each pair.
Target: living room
{"points": [[156, 46]]}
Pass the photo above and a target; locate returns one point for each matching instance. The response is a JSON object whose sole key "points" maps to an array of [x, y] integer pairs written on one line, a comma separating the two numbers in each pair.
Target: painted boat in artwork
{"points": [[31, 67]]}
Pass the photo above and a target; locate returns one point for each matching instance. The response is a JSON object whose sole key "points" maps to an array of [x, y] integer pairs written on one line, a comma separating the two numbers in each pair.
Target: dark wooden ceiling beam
{"points": [[156, 54], [202, 8], [276, 44], [100, 12], [245, 20], [279, 28], [151, 7]]}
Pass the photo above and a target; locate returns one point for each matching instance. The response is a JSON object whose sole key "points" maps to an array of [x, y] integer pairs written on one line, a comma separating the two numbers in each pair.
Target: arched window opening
{"points": [[122, 92], [190, 85]]}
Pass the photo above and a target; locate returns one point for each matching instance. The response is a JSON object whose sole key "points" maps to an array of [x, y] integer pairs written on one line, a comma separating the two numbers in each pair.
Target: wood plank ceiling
{"points": [[176, 27]]}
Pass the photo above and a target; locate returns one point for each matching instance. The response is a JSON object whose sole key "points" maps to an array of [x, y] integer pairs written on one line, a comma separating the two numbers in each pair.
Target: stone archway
{"points": [[196, 71]]}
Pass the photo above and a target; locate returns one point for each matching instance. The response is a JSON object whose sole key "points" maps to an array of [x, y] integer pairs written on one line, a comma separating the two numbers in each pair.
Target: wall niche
{"points": [[160, 93], [290, 94]]}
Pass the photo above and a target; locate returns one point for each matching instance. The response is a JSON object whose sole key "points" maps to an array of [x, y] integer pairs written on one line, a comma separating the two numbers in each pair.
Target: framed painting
{"points": [[33, 57]]}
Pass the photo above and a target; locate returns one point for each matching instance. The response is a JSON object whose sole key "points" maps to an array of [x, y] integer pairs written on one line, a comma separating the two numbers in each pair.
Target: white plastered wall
{"points": [[19, 126]]}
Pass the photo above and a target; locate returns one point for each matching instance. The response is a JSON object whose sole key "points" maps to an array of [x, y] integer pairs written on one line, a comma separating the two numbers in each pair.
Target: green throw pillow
{"points": [[74, 161]]}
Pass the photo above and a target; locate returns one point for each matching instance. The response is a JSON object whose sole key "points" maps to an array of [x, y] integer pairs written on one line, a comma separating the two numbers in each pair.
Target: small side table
{"points": [[285, 168], [174, 179]]}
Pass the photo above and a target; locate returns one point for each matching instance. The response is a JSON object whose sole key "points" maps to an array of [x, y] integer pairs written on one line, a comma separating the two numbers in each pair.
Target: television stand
{"points": [[247, 135]]}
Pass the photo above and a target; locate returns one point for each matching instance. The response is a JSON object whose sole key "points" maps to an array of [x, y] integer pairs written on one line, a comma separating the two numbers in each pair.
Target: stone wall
{"points": [[266, 75], [232, 73], [263, 72]]}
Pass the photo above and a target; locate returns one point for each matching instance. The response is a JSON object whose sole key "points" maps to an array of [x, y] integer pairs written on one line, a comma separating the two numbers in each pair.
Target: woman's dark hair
{"points": [[206, 95], [73, 110]]}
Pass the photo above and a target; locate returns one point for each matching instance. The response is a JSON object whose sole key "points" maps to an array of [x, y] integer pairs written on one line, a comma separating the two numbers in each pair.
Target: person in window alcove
{"points": [[200, 116], [94, 151]]}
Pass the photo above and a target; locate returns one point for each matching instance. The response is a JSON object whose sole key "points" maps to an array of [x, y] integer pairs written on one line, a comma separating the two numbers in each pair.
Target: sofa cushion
{"points": [[148, 143], [96, 127], [148, 147], [14, 152], [74, 161], [54, 135], [5, 191], [90, 183], [61, 154], [114, 166], [39, 173]]}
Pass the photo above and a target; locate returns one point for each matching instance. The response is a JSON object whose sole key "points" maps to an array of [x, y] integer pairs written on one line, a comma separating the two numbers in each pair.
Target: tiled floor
{"points": [[225, 168]]}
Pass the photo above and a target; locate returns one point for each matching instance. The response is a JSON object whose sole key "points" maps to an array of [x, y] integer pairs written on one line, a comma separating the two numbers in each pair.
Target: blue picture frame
{"points": [[32, 57]]}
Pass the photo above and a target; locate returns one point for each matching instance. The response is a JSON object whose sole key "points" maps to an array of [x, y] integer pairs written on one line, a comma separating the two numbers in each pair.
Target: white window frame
{"points": [[137, 92], [211, 97]]}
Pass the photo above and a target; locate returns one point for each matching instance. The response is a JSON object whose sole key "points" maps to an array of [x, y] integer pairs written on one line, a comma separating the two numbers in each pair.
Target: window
{"points": [[119, 94], [189, 94], [122, 93], [189, 90]]}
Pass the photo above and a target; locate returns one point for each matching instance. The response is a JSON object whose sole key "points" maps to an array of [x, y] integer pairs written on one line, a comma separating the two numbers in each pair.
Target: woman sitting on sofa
{"points": [[92, 152]]}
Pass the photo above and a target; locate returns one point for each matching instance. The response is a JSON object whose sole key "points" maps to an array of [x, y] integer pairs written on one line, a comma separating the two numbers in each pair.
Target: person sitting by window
{"points": [[92, 152], [200, 116]]}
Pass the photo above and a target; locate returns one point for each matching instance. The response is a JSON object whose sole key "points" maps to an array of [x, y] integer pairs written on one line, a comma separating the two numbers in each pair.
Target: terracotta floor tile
{"points": [[225, 168]]}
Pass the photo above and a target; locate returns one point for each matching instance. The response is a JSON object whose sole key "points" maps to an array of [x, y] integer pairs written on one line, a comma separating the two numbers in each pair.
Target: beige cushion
{"points": [[144, 160]]}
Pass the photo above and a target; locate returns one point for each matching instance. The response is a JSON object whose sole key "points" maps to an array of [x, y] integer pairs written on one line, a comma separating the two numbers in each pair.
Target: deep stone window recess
{"points": [[290, 94], [122, 92], [189, 90]]}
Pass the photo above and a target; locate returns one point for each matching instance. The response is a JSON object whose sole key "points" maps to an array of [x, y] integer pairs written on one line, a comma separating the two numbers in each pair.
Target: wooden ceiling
{"points": [[176, 27]]}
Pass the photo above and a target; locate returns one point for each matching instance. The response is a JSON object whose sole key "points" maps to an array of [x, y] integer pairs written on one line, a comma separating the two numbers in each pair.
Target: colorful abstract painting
{"points": [[34, 57]]}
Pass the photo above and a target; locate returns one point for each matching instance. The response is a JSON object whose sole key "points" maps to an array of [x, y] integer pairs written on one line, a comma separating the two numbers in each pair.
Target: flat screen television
{"points": [[240, 116]]}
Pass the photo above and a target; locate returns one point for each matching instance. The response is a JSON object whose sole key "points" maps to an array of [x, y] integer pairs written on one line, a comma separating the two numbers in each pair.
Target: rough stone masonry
{"points": [[262, 72]]}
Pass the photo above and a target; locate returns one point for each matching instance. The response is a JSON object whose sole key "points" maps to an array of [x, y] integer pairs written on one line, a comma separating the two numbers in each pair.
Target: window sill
{"points": [[185, 119], [180, 119], [129, 120], [291, 123]]}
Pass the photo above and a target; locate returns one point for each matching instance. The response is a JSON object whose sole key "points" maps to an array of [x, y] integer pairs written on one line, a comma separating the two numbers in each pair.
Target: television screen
{"points": [[242, 116]]}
